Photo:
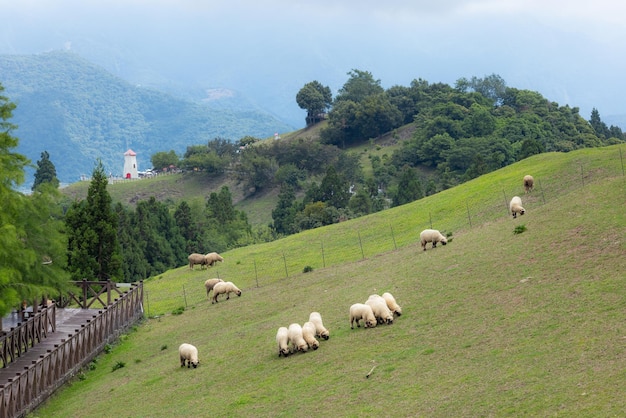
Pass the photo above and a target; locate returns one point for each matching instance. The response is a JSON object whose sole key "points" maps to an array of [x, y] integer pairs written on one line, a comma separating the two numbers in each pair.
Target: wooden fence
{"points": [[62, 359]]}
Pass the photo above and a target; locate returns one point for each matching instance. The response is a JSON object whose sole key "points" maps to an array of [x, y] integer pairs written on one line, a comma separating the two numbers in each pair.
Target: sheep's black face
{"points": [[239, 293], [194, 365], [444, 242], [325, 336], [523, 211]]}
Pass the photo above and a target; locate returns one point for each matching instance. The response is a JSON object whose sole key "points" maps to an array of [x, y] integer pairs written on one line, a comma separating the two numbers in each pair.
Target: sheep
{"points": [[379, 307], [296, 339], [320, 330], [196, 258], [188, 353], [211, 258], [432, 235], [516, 207], [392, 304], [308, 333], [361, 311], [224, 287], [209, 284], [529, 182], [282, 339]]}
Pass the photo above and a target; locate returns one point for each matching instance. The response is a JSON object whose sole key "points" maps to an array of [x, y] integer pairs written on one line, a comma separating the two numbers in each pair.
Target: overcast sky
{"points": [[573, 52]]}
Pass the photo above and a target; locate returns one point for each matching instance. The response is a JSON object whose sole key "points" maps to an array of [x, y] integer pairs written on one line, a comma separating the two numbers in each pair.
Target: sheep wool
{"points": [[224, 288], [392, 304], [282, 339], [320, 329], [379, 307], [432, 235], [189, 354], [296, 339], [529, 182], [196, 258], [361, 311], [308, 333], [516, 206], [210, 284], [211, 258]]}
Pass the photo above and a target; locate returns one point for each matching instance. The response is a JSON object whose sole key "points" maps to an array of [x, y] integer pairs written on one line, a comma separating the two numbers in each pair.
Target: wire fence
{"points": [[373, 235]]}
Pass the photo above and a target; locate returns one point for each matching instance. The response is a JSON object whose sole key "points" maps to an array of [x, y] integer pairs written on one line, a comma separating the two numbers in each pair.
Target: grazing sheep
{"points": [[320, 329], [529, 182], [188, 353], [211, 258], [196, 258], [392, 304], [210, 284], [296, 339], [282, 339], [381, 311], [432, 235], [224, 287], [361, 311], [308, 333], [516, 207]]}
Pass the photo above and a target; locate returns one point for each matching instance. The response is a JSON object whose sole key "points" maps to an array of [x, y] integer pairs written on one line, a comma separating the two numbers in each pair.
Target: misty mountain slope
{"points": [[79, 112]]}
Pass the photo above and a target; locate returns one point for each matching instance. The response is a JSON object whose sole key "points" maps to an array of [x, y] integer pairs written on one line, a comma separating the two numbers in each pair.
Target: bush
{"points": [[307, 269], [118, 365], [519, 229], [178, 311]]}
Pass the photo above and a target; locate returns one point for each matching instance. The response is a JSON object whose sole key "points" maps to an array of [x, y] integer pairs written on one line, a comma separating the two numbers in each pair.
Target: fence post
{"points": [[323, 256], [468, 214], [582, 177], [185, 296], [256, 274], [506, 202], [542, 195], [361, 245], [393, 237], [622, 161], [285, 262], [430, 217]]}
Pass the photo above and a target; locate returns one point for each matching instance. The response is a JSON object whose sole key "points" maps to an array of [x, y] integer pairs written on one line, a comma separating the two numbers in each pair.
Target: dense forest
{"points": [[458, 133]]}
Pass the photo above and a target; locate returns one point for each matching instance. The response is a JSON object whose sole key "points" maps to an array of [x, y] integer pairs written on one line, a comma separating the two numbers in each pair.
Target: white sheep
{"points": [[296, 339], [392, 304], [379, 306], [211, 258], [308, 333], [196, 258], [210, 284], [320, 330], [529, 182], [282, 339], [432, 235], [188, 353], [516, 206], [224, 287], [361, 311]]}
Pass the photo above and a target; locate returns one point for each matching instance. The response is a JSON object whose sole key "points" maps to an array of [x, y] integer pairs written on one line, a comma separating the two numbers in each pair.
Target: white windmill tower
{"points": [[130, 165]]}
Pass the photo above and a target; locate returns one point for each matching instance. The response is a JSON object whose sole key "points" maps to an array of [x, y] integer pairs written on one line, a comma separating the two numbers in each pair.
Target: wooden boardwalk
{"points": [[45, 351], [69, 321]]}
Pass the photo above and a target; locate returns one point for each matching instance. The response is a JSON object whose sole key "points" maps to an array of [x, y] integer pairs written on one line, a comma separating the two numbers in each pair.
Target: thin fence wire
{"points": [[360, 241]]}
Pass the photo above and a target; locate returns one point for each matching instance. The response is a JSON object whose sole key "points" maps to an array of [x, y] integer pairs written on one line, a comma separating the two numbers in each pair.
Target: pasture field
{"points": [[494, 324]]}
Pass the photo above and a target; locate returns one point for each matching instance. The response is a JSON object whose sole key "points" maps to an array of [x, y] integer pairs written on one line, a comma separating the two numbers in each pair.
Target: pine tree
{"points": [[409, 187], [46, 172], [93, 251]]}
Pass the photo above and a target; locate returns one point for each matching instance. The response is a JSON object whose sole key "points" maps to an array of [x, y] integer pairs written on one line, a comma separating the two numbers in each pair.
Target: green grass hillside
{"points": [[494, 324]]}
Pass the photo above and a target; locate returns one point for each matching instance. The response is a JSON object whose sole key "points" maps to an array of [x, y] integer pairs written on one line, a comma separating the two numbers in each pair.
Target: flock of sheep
{"points": [[377, 309]]}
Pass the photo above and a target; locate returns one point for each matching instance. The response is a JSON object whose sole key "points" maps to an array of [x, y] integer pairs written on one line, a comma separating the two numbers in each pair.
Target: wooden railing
{"points": [[18, 340], [32, 385]]}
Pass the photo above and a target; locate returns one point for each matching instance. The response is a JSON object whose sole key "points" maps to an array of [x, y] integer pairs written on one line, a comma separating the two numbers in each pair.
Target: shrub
{"points": [[178, 310], [519, 229], [307, 269], [118, 365]]}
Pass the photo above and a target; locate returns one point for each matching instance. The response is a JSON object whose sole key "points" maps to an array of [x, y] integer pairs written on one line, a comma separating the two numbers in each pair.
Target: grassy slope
{"points": [[494, 323]]}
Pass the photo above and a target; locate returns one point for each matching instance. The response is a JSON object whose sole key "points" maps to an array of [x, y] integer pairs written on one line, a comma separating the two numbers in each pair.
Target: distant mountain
{"points": [[79, 112]]}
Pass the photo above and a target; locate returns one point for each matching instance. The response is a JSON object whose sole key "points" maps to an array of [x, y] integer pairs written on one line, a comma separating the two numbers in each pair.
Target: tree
{"points": [[161, 160], [334, 189], [284, 213], [409, 187], [600, 128], [493, 87], [32, 258], [93, 251], [360, 85], [46, 172], [315, 99]]}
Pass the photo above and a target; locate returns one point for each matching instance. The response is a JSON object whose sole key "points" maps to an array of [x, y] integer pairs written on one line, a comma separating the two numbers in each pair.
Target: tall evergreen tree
{"points": [[285, 212], [93, 251], [46, 172], [31, 251], [334, 189], [409, 187]]}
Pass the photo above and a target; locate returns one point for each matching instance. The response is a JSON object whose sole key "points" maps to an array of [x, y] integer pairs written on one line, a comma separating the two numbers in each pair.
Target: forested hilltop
{"points": [[78, 112]]}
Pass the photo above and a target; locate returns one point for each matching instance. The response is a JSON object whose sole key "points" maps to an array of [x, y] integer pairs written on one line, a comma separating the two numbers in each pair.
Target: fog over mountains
{"points": [[262, 53]]}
